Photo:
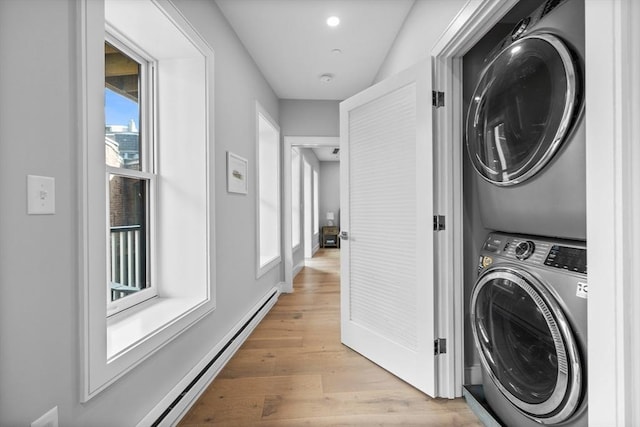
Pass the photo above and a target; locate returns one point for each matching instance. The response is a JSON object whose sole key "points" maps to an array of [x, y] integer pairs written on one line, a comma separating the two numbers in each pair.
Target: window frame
{"points": [[147, 172], [316, 202], [296, 188], [263, 267], [109, 347]]}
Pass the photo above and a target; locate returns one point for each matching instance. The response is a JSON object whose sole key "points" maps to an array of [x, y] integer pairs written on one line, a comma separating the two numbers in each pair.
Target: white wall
{"points": [[425, 22], [329, 199], [39, 345], [309, 118]]}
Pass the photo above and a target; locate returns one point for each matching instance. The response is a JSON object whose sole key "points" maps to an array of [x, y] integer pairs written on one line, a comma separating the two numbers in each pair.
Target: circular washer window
{"points": [[522, 109], [526, 345]]}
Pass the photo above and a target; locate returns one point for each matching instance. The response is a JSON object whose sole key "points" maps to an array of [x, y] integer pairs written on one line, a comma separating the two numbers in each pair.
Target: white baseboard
{"points": [[281, 288], [169, 412]]}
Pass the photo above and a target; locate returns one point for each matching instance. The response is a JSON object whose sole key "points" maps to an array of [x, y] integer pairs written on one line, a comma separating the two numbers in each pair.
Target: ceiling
{"points": [[293, 46], [326, 154]]}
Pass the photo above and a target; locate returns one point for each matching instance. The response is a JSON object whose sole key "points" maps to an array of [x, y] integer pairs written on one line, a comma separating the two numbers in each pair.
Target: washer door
{"points": [[526, 345], [522, 109]]}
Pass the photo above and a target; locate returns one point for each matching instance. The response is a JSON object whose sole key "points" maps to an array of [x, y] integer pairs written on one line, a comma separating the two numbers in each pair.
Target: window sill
{"points": [[125, 330], [267, 264]]}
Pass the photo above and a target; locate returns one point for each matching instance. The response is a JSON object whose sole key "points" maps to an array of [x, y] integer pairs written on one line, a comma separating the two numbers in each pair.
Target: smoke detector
{"points": [[326, 78]]}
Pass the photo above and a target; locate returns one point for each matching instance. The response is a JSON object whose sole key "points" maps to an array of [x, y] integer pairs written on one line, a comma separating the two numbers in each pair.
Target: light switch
{"points": [[41, 195]]}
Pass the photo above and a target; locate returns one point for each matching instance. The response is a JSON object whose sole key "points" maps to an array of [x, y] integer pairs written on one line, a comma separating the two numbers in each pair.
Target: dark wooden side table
{"points": [[330, 237]]}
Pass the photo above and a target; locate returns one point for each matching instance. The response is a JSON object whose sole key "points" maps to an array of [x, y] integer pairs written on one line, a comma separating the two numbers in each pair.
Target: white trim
{"points": [[90, 206], [196, 391], [467, 28], [612, 85], [288, 143], [631, 156]]}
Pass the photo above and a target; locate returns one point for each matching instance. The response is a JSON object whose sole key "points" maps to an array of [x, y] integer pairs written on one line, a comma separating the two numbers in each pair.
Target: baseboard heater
{"points": [[215, 358]]}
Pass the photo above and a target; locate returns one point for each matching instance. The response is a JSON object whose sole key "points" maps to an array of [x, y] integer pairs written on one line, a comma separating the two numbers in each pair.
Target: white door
{"points": [[387, 272]]}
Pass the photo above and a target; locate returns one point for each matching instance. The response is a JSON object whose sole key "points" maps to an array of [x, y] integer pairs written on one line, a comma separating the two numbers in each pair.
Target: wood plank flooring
{"points": [[293, 371]]}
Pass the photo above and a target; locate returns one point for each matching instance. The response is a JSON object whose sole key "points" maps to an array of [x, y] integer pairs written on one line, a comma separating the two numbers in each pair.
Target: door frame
{"points": [[288, 143], [612, 204], [474, 20]]}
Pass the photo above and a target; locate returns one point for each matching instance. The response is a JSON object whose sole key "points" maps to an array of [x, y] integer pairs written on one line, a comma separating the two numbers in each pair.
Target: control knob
{"points": [[525, 249]]}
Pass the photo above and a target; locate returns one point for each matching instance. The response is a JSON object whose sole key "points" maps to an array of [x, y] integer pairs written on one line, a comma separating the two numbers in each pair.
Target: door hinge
{"points": [[439, 346], [437, 98], [438, 222]]}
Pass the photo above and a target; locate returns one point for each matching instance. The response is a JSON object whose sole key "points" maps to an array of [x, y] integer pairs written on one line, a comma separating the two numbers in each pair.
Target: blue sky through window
{"points": [[118, 110]]}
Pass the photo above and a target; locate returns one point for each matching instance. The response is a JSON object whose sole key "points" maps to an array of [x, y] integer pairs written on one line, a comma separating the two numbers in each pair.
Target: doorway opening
{"points": [[305, 213]]}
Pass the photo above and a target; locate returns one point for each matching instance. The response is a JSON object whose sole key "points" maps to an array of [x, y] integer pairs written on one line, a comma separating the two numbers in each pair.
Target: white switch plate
{"points": [[41, 195], [50, 419]]}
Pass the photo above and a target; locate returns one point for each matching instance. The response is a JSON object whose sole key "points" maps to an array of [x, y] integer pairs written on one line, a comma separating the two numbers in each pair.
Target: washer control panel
{"points": [[567, 258], [525, 249], [534, 251]]}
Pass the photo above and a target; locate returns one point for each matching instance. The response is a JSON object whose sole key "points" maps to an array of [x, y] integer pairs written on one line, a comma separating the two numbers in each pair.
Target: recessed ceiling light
{"points": [[326, 78], [333, 21]]}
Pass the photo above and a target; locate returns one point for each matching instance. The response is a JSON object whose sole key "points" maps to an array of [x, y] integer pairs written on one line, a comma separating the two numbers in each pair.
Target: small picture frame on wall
{"points": [[237, 181]]}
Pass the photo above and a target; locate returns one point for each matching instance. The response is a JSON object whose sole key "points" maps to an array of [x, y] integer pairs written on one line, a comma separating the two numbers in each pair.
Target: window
{"points": [[295, 198], [308, 211], [316, 219], [129, 162], [268, 140], [146, 191]]}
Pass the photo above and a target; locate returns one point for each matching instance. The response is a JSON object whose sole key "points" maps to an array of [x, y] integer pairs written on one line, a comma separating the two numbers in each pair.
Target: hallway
{"points": [[294, 371]]}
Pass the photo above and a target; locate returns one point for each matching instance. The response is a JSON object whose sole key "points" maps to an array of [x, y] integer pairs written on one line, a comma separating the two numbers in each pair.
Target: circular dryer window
{"points": [[522, 109], [526, 345]]}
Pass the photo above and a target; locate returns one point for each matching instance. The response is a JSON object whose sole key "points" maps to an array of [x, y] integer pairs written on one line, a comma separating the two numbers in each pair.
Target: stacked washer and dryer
{"points": [[525, 137]]}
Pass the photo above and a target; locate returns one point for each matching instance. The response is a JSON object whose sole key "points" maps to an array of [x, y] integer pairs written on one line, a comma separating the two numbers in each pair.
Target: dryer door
{"points": [[526, 345], [522, 109]]}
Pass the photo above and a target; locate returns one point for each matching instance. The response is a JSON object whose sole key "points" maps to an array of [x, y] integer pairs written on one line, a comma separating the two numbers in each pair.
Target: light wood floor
{"points": [[293, 371]]}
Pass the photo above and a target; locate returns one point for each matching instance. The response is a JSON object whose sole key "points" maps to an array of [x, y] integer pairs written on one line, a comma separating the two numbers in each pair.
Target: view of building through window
{"points": [[128, 193]]}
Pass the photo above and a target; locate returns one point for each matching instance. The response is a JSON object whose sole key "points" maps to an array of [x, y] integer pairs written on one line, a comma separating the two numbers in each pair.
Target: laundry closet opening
{"points": [[524, 209]]}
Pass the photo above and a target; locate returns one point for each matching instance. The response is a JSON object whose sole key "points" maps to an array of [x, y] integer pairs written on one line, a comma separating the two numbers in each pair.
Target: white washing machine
{"points": [[525, 131], [529, 323]]}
